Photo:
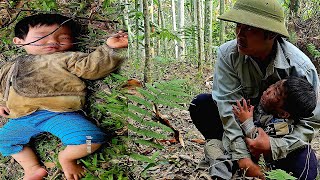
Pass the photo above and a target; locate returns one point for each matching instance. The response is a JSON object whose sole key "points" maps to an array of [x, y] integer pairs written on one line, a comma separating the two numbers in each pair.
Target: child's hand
{"points": [[243, 112], [119, 40], [4, 111]]}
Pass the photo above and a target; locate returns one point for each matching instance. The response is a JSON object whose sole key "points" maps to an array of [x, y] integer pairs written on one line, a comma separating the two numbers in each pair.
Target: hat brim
{"points": [[255, 20]]}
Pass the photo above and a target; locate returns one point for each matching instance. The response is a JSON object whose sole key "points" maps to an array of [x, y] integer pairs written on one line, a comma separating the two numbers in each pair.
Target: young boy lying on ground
{"points": [[42, 92]]}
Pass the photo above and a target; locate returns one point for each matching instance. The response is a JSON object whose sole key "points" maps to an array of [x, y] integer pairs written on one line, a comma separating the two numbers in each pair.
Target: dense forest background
{"points": [[188, 31], [143, 106]]}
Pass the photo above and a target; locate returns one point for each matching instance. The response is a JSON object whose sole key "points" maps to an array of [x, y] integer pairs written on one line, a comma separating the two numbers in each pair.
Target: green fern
{"points": [[165, 93], [313, 50], [276, 174], [143, 129], [117, 111], [279, 174], [140, 108]]}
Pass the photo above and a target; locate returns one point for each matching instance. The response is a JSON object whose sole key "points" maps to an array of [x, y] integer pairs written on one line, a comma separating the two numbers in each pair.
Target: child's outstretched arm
{"points": [[99, 63], [244, 113], [119, 40]]}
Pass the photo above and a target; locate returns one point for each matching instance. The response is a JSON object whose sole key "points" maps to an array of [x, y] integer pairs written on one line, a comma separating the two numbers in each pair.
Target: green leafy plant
{"points": [[118, 111], [145, 131], [313, 50], [279, 174], [163, 33], [274, 174], [47, 5], [106, 108]]}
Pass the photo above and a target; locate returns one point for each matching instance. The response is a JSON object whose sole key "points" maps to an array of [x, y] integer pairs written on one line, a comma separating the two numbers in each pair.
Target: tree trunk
{"points": [[126, 23], [181, 26], [159, 25], [162, 25], [174, 25], [147, 64], [222, 28], [195, 16], [208, 28], [152, 41], [293, 14], [200, 35], [138, 50]]}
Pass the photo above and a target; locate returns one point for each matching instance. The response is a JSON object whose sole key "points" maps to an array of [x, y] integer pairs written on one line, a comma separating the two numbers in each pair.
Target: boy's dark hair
{"points": [[301, 98], [22, 27]]}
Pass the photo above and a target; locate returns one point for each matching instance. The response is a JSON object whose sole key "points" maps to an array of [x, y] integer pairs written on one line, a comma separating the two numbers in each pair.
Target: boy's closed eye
{"points": [[66, 37]]}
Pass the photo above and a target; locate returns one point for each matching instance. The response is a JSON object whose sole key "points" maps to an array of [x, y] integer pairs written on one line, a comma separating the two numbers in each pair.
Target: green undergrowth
{"points": [[132, 116], [274, 174]]}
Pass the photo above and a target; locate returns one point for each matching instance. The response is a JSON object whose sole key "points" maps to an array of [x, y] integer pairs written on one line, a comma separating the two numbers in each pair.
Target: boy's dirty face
{"points": [[272, 99], [60, 40]]}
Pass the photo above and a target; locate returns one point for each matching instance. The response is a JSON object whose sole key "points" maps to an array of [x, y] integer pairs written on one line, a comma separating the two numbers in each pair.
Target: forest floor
{"points": [[181, 161]]}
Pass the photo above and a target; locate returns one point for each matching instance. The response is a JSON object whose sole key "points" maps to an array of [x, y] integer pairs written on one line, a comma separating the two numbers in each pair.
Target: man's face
{"points": [[59, 41], [272, 99], [251, 41]]}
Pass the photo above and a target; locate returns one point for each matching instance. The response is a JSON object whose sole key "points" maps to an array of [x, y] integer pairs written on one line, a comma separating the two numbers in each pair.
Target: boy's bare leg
{"points": [[68, 159], [30, 164]]}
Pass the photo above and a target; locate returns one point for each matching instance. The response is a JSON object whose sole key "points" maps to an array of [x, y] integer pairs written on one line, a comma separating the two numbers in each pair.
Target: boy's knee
{"points": [[95, 146], [81, 137]]}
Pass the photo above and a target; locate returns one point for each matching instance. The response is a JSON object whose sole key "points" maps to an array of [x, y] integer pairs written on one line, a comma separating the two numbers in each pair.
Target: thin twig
{"points": [[37, 11]]}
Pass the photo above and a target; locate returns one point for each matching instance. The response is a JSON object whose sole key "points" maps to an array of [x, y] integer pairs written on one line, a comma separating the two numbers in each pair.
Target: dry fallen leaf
{"points": [[49, 165], [180, 139], [131, 86], [198, 141]]}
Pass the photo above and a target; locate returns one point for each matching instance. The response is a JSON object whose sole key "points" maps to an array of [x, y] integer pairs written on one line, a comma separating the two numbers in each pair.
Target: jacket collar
{"points": [[280, 60]]}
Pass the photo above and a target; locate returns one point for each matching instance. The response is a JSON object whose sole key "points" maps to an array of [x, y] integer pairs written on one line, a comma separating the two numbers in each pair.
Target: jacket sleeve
{"points": [[2, 102], [304, 131], [5, 70], [249, 129], [97, 64], [226, 90]]}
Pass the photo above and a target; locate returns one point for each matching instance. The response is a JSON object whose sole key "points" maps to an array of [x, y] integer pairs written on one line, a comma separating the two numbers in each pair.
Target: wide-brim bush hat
{"points": [[264, 14]]}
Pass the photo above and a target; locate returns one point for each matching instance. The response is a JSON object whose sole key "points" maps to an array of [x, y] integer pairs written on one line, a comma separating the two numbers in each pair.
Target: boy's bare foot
{"points": [[35, 173], [71, 169], [68, 160]]}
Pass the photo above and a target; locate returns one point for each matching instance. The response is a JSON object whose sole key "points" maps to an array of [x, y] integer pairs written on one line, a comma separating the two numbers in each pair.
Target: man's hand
{"points": [[119, 40], [4, 111], [250, 168], [259, 145], [243, 112]]}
